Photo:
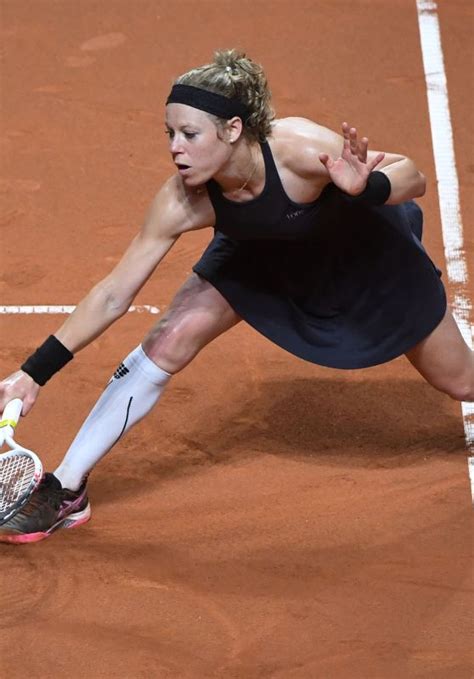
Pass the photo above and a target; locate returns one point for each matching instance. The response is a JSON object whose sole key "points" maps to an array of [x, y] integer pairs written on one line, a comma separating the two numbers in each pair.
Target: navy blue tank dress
{"points": [[335, 282]]}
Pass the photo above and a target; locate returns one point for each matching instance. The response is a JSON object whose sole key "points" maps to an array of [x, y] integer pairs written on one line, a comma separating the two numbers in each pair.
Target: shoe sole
{"points": [[70, 521]]}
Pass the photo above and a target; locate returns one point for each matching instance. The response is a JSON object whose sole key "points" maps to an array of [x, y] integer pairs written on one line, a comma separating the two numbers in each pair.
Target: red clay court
{"points": [[271, 518]]}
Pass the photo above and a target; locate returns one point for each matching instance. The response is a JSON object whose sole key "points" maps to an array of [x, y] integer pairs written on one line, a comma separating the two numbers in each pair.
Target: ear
{"points": [[234, 129]]}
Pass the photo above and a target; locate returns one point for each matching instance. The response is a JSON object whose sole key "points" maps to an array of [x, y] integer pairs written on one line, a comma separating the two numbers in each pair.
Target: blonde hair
{"points": [[234, 75]]}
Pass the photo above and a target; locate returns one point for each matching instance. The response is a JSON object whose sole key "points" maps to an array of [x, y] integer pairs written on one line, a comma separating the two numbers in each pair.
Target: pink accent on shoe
{"points": [[22, 538], [70, 521], [68, 506]]}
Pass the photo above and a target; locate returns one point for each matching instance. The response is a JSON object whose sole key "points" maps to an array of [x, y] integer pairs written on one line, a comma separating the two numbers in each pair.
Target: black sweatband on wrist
{"points": [[47, 360], [377, 190]]}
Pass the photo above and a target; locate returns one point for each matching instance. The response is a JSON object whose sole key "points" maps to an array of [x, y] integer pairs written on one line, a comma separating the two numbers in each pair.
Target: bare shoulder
{"points": [[299, 141], [176, 209]]}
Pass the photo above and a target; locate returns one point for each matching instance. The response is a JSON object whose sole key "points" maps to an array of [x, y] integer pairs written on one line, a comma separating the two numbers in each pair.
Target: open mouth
{"points": [[182, 167]]}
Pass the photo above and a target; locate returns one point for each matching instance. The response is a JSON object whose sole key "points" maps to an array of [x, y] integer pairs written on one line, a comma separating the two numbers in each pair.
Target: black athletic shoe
{"points": [[50, 507]]}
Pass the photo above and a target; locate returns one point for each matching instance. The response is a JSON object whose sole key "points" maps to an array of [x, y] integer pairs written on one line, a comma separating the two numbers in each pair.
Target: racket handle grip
{"points": [[10, 417]]}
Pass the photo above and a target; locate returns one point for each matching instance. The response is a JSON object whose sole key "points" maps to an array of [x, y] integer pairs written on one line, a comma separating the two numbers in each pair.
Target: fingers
{"points": [[346, 135], [27, 406], [19, 385], [352, 144]]}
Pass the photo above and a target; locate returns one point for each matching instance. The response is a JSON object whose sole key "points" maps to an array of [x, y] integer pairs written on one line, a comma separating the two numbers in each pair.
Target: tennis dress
{"points": [[334, 281]]}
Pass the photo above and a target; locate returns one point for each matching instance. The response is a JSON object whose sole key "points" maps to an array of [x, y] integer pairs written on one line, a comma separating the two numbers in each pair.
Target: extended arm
{"points": [[111, 297]]}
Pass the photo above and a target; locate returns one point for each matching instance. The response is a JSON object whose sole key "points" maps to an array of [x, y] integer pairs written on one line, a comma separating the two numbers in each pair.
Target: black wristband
{"points": [[377, 190], [47, 360]]}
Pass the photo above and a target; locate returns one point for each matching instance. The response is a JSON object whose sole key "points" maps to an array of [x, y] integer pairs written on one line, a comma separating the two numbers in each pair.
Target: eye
{"points": [[190, 135]]}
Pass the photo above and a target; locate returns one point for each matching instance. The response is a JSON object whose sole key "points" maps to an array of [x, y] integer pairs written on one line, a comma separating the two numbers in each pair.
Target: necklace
{"points": [[249, 177]]}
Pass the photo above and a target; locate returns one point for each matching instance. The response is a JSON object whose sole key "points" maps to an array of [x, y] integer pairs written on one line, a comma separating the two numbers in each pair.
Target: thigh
{"points": [[443, 358], [197, 315], [198, 298]]}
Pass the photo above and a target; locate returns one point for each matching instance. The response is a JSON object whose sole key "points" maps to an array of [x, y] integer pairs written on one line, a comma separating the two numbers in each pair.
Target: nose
{"points": [[175, 145]]}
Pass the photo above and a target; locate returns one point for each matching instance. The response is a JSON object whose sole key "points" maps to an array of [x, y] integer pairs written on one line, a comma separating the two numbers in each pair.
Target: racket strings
{"points": [[17, 475]]}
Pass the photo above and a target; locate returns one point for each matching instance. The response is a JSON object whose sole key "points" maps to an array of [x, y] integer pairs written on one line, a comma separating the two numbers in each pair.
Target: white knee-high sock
{"points": [[131, 393]]}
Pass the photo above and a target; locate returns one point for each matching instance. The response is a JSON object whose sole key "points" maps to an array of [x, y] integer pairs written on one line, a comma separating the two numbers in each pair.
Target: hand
{"points": [[350, 172], [19, 385]]}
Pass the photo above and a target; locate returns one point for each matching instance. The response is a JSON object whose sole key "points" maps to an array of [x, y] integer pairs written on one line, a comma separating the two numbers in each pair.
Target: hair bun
{"points": [[234, 75], [230, 59]]}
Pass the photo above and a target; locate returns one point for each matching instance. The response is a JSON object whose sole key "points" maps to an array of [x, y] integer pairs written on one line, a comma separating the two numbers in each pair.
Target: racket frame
{"points": [[11, 415]]}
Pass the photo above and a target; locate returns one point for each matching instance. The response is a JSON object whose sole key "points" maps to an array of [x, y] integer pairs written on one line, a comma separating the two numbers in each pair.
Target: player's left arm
{"points": [[406, 180], [345, 160]]}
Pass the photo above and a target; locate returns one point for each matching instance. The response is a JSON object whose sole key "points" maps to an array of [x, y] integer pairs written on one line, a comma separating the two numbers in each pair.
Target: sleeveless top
{"points": [[333, 281], [270, 215]]}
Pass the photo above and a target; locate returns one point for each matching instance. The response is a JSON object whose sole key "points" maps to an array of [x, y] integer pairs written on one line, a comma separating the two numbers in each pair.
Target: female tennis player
{"points": [[317, 245]]}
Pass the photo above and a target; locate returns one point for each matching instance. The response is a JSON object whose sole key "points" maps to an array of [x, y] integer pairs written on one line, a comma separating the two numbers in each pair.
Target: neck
{"points": [[243, 172]]}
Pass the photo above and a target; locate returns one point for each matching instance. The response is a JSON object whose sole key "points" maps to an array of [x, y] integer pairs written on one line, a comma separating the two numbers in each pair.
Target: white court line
{"points": [[448, 190], [65, 309]]}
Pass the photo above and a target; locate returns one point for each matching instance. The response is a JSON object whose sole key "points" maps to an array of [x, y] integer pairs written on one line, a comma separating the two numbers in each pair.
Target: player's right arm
{"points": [[168, 217], [111, 297]]}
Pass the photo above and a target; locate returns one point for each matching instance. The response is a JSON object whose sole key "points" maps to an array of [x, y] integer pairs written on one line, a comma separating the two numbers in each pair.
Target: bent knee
{"points": [[174, 342], [459, 390], [466, 395]]}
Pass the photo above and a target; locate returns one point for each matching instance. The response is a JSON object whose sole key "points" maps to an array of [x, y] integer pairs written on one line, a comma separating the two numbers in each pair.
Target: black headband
{"points": [[217, 104]]}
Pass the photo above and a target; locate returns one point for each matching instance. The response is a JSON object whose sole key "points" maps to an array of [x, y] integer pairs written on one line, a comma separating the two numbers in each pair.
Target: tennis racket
{"points": [[20, 469]]}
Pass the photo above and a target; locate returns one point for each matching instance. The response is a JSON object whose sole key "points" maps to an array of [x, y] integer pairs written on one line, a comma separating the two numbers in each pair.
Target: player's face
{"points": [[195, 145]]}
